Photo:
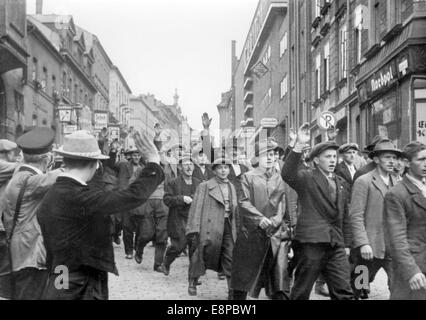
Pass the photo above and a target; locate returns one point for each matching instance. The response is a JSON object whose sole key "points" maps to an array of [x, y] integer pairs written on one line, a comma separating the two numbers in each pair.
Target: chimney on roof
{"points": [[39, 6]]}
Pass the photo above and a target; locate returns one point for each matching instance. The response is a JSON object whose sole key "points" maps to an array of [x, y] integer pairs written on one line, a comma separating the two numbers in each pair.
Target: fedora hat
{"points": [[266, 146], [132, 149], [385, 146], [81, 145]]}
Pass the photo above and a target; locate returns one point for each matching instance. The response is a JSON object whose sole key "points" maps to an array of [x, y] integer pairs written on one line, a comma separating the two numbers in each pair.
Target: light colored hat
{"points": [[221, 161], [81, 145], [7, 145], [132, 149]]}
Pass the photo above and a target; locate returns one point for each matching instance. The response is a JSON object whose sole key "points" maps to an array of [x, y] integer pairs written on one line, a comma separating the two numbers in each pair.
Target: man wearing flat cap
{"points": [[75, 218], [320, 240], [346, 169], [24, 194], [178, 196], [405, 223], [126, 169], [7, 168]]}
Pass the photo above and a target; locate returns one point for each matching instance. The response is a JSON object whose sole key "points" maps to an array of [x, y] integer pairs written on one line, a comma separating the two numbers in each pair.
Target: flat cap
{"points": [[266, 146], [321, 147], [221, 161], [185, 157], [39, 140], [7, 145], [348, 146], [410, 150]]}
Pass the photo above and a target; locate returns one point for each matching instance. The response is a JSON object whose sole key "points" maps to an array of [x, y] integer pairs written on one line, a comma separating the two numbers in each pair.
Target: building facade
{"points": [[361, 60], [13, 64]]}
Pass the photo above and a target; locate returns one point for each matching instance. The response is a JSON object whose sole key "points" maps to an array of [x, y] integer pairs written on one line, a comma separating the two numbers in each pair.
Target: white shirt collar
{"points": [[68, 175], [38, 171]]}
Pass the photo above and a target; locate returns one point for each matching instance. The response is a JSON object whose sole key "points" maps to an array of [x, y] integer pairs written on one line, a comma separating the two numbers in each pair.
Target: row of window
{"points": [[70, 89]]}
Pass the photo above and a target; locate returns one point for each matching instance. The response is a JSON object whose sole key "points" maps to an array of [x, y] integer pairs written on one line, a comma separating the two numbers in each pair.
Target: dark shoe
{"points": [[159, 269], [221, 276], [364, 294], [321, 289], [166, 269], [117, 240], [129, 256], [138, 258], [192, 289]]}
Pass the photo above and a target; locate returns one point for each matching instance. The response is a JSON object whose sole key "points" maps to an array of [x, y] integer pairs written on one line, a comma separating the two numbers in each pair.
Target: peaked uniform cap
{"points": [[38, 140]]}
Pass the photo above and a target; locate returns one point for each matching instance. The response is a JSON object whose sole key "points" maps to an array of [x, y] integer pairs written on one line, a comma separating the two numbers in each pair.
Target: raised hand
{"points": [[157, 130], [206, 120], [304, 134], [292, 138], [146, 147], [332, 133]]}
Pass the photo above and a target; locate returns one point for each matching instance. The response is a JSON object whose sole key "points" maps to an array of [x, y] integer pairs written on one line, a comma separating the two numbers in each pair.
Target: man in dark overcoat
{"points": [[126, 169], [319, 239], [178, 197], [75, 223], [405, 223]]}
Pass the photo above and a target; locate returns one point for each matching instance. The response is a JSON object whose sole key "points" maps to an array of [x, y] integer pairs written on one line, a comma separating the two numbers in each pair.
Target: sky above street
{"points": [[160, 45]]}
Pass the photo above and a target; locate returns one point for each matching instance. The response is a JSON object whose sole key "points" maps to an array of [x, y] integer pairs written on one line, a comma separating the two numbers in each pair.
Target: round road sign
{"points": [[326, 120]]}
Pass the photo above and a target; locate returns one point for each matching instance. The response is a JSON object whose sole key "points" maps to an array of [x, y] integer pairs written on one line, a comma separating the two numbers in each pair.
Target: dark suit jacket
{"points": [[208, 174], [342, 170], [321, 220], [178, 209], [75, 223], [405, 222]]}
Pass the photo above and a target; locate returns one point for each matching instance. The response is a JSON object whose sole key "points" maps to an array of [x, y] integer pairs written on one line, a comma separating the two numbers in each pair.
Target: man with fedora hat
{"points": [[126, 169], [7, 168], [405, 224], [320, 240], [24, 194], [370, 247], [178, 197], [75, 222], [346, 169], [371, 165]]}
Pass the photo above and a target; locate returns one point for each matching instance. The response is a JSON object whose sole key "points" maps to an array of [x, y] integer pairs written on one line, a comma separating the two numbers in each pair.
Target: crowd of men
{"points": [[287, 219]]}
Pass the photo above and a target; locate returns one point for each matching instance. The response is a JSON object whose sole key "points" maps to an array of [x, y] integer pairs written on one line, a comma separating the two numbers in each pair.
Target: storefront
{"points": [[394, 100]]}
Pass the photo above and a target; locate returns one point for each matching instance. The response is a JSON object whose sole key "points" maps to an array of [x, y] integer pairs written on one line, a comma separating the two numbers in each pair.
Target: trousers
{"points": [[85, 283], [314, 259], [152, 226]]}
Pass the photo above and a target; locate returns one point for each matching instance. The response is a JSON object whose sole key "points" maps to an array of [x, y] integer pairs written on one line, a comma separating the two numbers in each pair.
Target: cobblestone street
{"points": [[140, 282]]}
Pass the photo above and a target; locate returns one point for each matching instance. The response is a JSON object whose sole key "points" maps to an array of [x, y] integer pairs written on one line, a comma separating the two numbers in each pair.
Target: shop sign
{"points": [[68, 129], [383, 78], [421, 122], [101, 120]]}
